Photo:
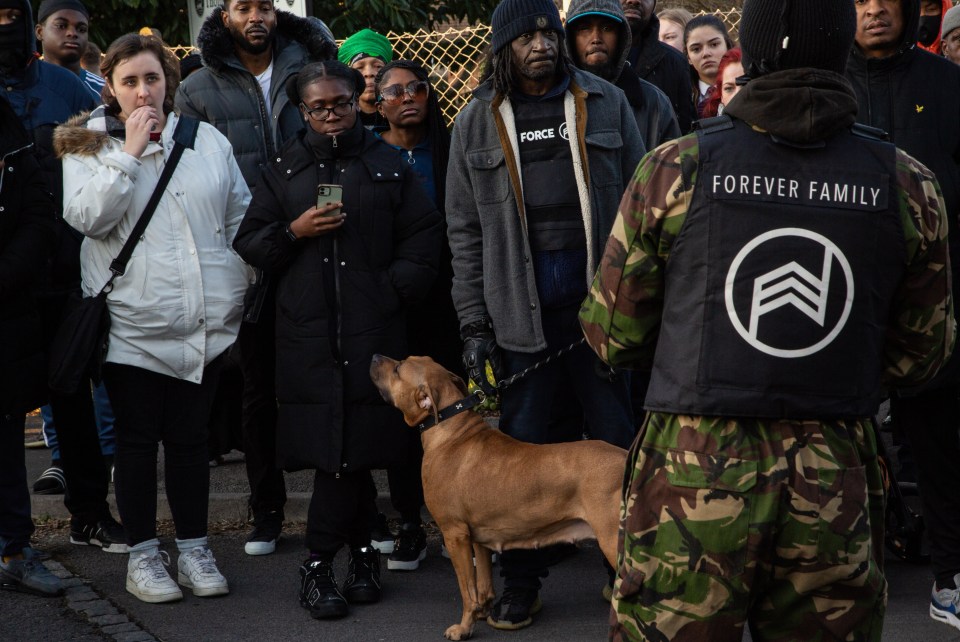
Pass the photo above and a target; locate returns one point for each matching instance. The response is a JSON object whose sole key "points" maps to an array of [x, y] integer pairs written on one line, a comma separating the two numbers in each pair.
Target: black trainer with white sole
{"points": [[410, 549], [106, 533]]}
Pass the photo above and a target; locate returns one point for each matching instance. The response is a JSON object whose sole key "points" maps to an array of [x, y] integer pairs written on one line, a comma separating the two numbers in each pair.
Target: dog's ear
{"points": [[458, 382], [425, 401]]}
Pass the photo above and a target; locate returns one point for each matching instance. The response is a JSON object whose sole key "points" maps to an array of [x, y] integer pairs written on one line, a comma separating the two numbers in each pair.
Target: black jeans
{"points": [[16, 526], [930, 422], [259, 417], [340, 512], [80, 456], [149, 408]]}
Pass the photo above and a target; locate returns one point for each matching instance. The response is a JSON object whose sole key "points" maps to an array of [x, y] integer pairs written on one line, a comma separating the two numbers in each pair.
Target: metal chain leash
{"points": [[509, 381]]}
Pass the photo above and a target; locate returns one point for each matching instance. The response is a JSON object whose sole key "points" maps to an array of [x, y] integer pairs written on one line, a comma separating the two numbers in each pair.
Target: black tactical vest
{"points": [[779, 284]]}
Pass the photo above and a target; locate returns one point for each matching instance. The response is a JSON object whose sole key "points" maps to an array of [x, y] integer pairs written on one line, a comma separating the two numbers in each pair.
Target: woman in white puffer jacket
{"points": [[174, 311]]}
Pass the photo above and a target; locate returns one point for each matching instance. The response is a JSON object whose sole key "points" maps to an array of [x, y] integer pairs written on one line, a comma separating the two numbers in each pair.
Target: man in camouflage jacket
{"points": [[743, 269]]}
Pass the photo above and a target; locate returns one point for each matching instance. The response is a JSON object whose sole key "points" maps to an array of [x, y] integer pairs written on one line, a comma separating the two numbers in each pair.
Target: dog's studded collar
{"points": [[452, 410]]}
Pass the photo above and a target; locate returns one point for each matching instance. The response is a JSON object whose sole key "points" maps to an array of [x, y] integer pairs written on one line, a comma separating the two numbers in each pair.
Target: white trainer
{"points": [[198, 571], [148, 580]]}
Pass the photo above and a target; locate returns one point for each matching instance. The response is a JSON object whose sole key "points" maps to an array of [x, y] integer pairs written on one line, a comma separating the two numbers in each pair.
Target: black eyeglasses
{"points": [[393, 95], [322, 113]]}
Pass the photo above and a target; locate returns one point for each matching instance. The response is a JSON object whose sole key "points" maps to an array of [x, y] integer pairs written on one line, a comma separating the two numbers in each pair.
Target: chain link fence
{"points": [[454, 57]]}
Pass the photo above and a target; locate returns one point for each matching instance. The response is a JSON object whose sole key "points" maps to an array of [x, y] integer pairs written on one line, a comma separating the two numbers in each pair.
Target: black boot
{"points": [[318, 590], [363, 576]]}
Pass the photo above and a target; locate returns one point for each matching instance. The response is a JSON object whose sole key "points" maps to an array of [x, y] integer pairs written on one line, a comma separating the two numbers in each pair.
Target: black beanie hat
{"points": [[787, 34], [513, 18], [49, 7]]}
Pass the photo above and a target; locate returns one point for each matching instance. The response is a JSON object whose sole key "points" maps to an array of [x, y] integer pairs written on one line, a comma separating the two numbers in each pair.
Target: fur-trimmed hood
{"points": [[217, 47], [85, 134]]}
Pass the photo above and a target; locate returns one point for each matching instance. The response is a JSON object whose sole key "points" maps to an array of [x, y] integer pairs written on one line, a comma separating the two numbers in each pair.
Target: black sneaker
{"points": [[319, 592], [410, 549], [106, 533], [515, 609], [363, 576], [265, 534], [380, 536]]}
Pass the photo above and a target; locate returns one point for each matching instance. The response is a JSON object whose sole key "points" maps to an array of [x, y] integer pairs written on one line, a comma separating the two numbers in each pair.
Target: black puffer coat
{"points": [[228, 97], [27, 237], [341, 297]]}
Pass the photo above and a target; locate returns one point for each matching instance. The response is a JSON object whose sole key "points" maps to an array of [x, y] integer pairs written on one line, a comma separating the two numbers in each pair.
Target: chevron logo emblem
{"points": [[790, 285]]}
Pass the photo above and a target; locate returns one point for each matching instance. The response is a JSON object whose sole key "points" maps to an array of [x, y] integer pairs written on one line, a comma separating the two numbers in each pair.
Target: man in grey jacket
{"points": [[249, 51], [538, 164], [598, 40]]}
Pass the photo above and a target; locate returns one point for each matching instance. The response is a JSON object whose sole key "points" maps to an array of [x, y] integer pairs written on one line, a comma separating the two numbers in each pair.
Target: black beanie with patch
{"points": [[513, 18], [790, 34]]}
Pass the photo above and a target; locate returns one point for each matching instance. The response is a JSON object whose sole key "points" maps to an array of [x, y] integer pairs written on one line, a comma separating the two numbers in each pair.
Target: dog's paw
{"points": [[457, 632]]}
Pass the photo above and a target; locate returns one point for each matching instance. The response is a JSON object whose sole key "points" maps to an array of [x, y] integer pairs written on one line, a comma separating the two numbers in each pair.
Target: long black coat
{"points": [[341, 297], [27, 219]]}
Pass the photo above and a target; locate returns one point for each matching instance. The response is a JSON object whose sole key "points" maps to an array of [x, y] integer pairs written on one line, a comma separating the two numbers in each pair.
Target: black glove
{"points": [[480, 346]]}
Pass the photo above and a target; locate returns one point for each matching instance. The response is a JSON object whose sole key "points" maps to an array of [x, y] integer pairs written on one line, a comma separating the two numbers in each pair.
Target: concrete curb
{"points": [[224, 507]]}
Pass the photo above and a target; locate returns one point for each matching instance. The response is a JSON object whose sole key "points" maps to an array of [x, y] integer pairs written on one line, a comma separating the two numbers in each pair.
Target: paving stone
{"points": [[126, 627], [81, 594], [72, 582], [113, 618], [98, 607], [134, 636]]}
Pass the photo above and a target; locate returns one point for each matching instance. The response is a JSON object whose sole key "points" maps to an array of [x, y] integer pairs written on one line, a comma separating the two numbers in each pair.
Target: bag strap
{"points": [[184, 136]]}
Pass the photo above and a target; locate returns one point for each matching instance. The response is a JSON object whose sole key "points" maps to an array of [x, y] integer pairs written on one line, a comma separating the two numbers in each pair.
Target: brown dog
{"points": [[490, 492]]}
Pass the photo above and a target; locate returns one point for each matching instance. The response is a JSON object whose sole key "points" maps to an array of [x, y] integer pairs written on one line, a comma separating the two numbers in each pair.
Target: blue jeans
{"points": [[103, 413], [526, 414], [16, 526]]}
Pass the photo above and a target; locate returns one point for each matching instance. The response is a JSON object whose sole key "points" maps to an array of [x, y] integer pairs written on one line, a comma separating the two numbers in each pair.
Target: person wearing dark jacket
{"points": [[656, 62], [598, 40], [249, 51], [26, 241], [43, 96], [914, 96], [346, 272]]}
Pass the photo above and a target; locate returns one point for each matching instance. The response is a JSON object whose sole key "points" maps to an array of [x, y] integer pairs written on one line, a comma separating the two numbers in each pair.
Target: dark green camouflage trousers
{"points": [[778, 524]]}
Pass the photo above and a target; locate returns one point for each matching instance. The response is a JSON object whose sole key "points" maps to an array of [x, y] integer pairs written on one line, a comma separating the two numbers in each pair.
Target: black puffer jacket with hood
{"points": [[666, 68], [655, 115], [914, 96], [228, 96]]}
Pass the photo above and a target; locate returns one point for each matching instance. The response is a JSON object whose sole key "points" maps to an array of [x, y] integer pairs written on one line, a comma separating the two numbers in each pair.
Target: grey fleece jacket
{"points": [[651, 107], [493, 275]]}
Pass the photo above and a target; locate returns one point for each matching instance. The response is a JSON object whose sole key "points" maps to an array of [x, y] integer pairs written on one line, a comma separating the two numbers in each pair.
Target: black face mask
{"points": [[13, 54], [929, 29]]}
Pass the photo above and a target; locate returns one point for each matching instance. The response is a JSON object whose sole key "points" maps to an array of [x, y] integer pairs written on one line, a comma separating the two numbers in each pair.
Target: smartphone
{"points": [[327, 194]]}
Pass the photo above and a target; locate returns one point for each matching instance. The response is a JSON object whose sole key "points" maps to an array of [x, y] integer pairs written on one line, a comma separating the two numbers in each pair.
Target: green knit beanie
{"points": [[365, 44]]}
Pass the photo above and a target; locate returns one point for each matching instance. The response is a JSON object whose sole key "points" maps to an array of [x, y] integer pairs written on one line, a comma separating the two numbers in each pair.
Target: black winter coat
{"points": [[27, 237], [666, 68], [914, 96], [341, 297]]}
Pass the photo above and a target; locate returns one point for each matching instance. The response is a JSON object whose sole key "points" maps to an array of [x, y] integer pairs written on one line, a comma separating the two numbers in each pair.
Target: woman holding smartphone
{"points": [[346, 273]]}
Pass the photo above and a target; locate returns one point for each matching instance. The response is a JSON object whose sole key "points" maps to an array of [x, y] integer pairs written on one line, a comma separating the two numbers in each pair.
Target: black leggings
{"points": [[150, 408]]}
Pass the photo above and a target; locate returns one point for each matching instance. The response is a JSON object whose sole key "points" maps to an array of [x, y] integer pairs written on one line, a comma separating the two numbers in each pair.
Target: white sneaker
{"points": [[147, 577], [198, 571]]}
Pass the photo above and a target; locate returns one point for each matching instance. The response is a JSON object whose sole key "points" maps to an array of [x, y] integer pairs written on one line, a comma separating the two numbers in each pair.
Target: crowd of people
{"points": [[749, 290]]}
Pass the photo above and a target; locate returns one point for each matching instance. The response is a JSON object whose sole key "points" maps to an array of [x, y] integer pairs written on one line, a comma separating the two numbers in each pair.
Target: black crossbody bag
{"points": [[79, 346]]}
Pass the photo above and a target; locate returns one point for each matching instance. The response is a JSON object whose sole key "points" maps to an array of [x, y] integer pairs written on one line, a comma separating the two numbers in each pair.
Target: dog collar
{"points": [[452, 410]]}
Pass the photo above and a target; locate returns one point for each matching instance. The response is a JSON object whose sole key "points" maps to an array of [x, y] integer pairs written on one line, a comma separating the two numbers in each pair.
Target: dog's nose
{"points": [[375, 361]]}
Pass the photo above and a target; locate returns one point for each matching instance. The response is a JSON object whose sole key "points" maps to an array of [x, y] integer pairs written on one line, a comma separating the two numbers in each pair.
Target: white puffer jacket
{"points": [[178, 305]]}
